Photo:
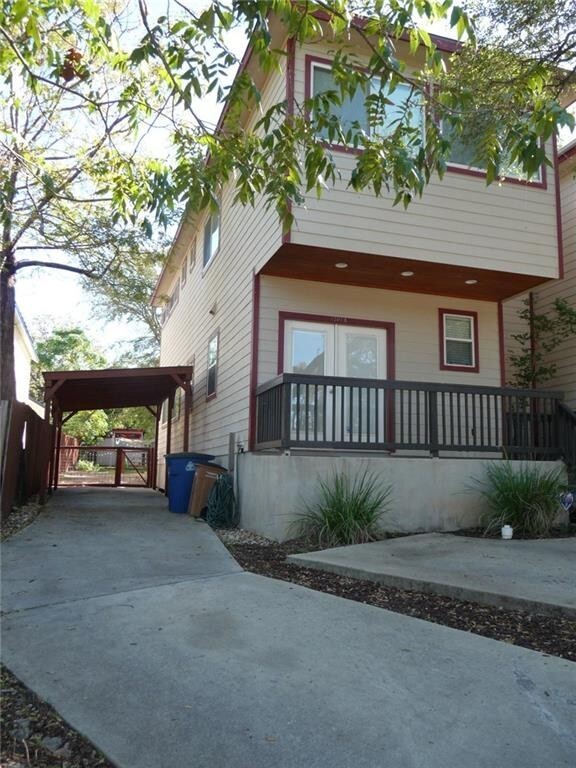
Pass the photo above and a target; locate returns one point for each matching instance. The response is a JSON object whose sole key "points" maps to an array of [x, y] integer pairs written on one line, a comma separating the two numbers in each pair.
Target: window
{"points": [[211, 238], [376, 113], [178, 405], [171, 303], [458, 340], [212, 366], [192, 255], [463, 154], [176, 409], [184, 272]]}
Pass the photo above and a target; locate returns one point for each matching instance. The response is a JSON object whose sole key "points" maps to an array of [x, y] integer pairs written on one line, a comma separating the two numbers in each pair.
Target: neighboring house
{"points": [[396, 314], [24, 356], [543, 297]]}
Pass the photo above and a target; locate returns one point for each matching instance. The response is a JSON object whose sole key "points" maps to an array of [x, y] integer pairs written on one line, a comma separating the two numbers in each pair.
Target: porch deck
{"points": [[325, 412]]}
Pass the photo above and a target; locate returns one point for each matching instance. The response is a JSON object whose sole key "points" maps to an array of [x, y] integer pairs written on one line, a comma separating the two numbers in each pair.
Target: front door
{"points": [[335, 413]]}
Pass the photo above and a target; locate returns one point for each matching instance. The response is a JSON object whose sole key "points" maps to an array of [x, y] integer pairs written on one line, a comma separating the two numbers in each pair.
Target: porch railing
{"points": [[567, 434], [302, 411]]}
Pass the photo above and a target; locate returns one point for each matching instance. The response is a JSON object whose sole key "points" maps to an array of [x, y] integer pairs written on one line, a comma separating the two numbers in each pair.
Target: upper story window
{"points": [[171, 303], [184, 271], [458, 340], [373, 110], [192, 254], [464, 154], [211, 237], [212, 366]]}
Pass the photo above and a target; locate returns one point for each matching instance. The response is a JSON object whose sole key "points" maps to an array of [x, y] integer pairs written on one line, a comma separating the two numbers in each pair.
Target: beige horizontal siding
{"points": [[513, 326], [248, 237], [416, 326], [459, 220], [564, 357]]}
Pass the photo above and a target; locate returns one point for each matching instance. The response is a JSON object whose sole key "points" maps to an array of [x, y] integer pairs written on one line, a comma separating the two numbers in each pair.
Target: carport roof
{"points": [[113, 387]]}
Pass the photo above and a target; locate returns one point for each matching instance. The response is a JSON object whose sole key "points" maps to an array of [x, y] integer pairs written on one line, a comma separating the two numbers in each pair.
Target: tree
{"points": [[70, 349], [78, 94], [545, 331], [64, 349], [123, 289], [133, 418], [88, 426]]}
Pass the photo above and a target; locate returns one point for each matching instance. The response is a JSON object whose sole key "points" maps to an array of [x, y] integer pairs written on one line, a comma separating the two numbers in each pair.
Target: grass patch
{"points": [[84, 465], [527, 498], [347, 511]]}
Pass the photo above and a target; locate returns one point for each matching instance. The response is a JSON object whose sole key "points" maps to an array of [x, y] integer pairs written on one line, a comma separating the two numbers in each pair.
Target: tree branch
{"points": [[54, 265]]}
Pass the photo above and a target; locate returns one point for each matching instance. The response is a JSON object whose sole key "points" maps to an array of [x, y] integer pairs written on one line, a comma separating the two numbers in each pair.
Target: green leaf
{"points": [[19, 10]]}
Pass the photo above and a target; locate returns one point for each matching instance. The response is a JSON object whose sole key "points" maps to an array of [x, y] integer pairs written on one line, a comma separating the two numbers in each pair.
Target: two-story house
{"points": [[541, 299], [367, 336]]}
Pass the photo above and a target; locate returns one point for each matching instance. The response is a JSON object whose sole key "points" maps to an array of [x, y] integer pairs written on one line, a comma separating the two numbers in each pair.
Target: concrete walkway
{"points": [[529, 575], [147, 637]]}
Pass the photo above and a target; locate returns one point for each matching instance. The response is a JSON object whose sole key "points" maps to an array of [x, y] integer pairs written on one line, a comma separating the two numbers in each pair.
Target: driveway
{"points": [[537, 576], [148, 638]]}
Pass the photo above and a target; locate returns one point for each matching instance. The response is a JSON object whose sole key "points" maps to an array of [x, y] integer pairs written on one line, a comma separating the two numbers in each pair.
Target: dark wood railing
{"points": [[301, 411], [567, 435]]}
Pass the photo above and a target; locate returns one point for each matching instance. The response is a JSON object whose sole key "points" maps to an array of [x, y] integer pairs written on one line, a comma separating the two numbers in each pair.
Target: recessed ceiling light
{"points": [[471, 282], [407, 273], [341, 265]]}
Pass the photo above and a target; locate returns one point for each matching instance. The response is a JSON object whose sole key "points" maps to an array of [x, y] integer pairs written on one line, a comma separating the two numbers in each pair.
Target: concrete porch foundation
{"points": [[428, 494]]}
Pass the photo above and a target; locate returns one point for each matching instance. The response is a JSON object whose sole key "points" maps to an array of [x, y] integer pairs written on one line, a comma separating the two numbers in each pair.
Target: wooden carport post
{"points": [[168, 438], [187, 406], [153, 470], [50, 390], [48, 468], [58, 447]]}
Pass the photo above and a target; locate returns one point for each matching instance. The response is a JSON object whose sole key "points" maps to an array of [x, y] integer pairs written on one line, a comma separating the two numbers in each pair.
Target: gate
{"points": [[103, 466]]}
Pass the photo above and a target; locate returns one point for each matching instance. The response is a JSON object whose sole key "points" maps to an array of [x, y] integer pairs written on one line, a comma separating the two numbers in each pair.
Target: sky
{"points": [[53, 298]]}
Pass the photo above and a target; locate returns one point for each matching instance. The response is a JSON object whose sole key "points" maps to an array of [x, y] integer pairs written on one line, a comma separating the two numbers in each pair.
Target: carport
{"points": [[68, 392]]}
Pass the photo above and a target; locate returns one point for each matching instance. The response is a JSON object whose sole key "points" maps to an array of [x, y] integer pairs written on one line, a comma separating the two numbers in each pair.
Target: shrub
{"points": [[347, 511], [222, 509], [83, 465], [527, 498]]}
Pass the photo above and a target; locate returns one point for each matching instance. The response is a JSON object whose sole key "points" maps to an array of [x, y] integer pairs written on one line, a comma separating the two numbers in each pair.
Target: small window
{"points": [[170, 303], [192, 255], [459, 340], [212, 366], [178, 405], [184, 272], [211, 237]]}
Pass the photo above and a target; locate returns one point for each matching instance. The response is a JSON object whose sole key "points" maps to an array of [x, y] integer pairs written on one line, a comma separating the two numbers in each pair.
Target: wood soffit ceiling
{"points": [[385, 272], [114, 388]]}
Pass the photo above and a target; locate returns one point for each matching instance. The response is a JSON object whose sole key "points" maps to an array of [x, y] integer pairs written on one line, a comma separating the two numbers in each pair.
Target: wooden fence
{"points": [[24, 453]]}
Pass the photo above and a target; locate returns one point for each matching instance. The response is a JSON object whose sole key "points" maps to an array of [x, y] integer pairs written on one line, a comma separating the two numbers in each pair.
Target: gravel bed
{"points": [[20, 518]]}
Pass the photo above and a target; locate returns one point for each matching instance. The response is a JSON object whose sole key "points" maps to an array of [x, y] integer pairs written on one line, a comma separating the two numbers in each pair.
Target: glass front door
{"points": [[335, 413]]}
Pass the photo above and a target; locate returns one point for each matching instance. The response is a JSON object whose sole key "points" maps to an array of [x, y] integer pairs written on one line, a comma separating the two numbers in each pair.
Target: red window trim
{"points": [[215, 335], [390, 328], [480, 174], [444, 366], [309, 61], [353, 321]]}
